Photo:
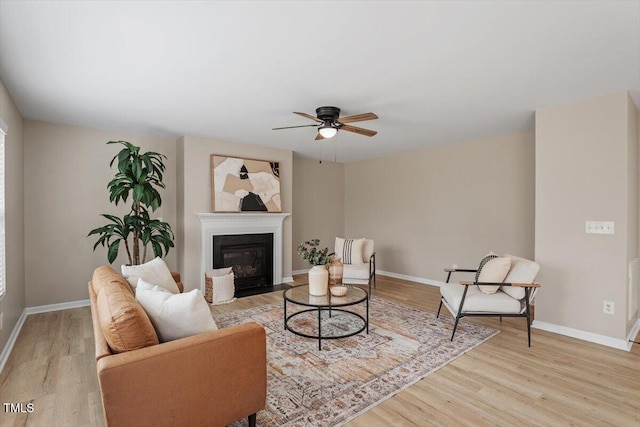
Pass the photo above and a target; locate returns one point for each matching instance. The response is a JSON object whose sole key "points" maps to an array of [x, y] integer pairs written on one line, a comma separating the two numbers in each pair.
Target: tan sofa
{"points": [[210, 379]]}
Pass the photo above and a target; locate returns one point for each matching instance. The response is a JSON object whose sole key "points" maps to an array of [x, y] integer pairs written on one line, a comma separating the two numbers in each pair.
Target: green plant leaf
{"points": [[113, 250]]}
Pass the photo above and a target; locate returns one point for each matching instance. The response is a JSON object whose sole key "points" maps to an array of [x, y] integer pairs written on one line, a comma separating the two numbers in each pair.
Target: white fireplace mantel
{"points": [[216, 224]]}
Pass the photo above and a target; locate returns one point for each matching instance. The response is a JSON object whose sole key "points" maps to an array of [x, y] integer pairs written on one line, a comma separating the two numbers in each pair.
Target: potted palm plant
{"points": [[139, 175], [318, 275]]}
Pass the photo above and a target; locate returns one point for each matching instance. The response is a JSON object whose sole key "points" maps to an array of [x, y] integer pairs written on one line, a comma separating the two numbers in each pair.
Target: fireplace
{"points": [[226, 224], [250, 256]]}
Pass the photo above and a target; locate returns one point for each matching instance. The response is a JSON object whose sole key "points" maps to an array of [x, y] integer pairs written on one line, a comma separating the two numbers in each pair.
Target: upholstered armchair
{"points": [[503, 287], [359, 259]]}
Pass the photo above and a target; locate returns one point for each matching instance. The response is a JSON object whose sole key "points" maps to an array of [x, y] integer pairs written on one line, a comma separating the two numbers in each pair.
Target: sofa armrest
{"points": [[213, 378], [176, 277]]}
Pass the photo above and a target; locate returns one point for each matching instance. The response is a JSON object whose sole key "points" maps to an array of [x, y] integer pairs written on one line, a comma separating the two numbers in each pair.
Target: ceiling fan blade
{"points": [[358, 118], [359, 131], [292, 127], [319, 137], [308, 116]]}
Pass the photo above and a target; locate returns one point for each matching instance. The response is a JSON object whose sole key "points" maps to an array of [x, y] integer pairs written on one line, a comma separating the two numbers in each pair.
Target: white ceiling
{"points": [[434, 72]]}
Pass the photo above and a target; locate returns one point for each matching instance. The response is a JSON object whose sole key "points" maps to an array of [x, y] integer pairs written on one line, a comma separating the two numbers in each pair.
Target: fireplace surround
{"points": [[219, 224]]}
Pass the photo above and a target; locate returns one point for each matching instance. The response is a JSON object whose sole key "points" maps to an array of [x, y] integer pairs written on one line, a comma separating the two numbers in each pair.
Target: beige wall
{"points": [[318, 200], [13, 303], [582, 173], [429, 209], [66, 176], [196, 196]]}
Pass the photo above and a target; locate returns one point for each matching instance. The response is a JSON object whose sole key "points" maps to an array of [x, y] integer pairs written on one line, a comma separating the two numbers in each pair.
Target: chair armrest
{"points": [[519, 285], [460, 270], [213, 378]]}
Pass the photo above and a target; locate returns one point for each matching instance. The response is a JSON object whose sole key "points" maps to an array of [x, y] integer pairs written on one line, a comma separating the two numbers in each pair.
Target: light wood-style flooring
{"points": [[558, 381]]}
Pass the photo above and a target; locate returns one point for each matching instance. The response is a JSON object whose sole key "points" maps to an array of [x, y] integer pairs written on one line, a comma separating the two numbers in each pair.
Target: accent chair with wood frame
{"points": [[361, 268], [512, 299]]}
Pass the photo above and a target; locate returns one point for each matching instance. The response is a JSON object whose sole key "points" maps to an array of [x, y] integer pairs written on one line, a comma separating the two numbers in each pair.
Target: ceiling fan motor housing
{"points": [[328, 114]]}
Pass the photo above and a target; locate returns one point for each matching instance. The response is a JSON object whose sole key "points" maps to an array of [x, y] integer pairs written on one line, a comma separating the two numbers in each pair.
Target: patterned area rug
{"points": [[328, 387]]}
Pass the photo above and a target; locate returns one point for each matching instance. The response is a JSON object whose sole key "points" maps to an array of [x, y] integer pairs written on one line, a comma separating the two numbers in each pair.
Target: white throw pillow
{"points": [[494, 271], [154, 271], [146, 286], [349, 250], [522, 271], [176, 316]]}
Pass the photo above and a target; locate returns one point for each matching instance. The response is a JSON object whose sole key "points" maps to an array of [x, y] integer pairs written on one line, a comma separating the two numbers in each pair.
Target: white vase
{"points": [[318, 280]]}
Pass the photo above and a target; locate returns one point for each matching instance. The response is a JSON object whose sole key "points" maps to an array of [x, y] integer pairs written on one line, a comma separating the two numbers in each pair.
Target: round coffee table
{"points": [[328, 304]]}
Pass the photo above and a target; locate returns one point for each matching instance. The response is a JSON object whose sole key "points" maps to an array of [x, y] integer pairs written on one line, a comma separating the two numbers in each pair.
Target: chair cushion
{"points": [[478, 302], [522, 271], [154, 271], [355, 271], [124, 323], [494, 270], [349, 251]]}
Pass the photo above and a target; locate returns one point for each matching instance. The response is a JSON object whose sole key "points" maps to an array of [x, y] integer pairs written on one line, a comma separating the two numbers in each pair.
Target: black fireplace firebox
{"points": [[250, 256]]}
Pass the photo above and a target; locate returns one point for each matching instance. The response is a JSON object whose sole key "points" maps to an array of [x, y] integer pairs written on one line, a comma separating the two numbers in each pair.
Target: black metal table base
{"points": [[329, 309]]}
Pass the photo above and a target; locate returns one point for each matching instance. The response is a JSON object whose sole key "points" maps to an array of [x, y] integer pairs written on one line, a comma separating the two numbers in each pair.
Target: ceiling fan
{"points": [[329, 122]]}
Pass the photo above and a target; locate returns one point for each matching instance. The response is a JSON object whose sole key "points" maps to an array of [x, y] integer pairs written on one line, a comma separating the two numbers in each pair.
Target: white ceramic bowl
{"points": [[339, 291]]}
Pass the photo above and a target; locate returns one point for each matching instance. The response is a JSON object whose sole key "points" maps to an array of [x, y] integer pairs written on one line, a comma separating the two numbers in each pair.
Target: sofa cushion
{"points": [[494, 270], [154, 271], [123, 322], [104, 275], [349, 250], [175, 315], [478, 302], [522, 271]]}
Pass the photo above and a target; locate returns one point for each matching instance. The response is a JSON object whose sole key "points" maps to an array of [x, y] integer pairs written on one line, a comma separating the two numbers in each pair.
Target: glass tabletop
{"points": [[300, 295]]}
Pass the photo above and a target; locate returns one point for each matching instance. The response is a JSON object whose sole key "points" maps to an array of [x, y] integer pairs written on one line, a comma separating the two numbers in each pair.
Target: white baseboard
{"points": [[633, 333], [411, 278], [303, 271], [12, 339], [394, 275], [589, 336], [55, 307], [287, 279]]}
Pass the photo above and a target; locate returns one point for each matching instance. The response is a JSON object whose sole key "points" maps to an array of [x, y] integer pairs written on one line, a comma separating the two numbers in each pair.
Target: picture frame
{"points": [[244, 185]]}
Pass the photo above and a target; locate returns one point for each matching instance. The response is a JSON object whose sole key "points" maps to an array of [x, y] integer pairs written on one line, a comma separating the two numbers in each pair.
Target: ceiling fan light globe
{"points": [[327, 131]]}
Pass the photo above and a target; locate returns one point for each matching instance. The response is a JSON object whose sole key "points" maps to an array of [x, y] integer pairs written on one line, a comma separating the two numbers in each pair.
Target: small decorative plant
{"points": [[310, 252], [139, 175]]}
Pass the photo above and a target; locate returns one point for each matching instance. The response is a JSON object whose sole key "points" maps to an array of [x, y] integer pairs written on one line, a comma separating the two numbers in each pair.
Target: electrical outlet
{"points": [[1, 320], [608, 307], [599, 227]]}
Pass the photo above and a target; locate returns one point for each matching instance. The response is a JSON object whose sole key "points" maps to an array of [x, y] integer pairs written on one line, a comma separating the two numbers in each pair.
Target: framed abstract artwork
{"points": [[244, 185]]}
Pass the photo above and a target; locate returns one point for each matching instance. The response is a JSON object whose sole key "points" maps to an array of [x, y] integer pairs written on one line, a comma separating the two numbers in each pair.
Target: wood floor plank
{"points": [[558, 381]]}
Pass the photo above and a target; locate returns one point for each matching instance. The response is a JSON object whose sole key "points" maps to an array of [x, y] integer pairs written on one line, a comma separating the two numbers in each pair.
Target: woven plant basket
{"points": [[219, 290]]}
